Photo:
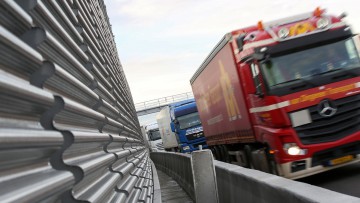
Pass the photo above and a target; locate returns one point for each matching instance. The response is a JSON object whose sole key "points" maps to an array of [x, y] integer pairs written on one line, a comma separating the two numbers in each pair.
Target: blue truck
{"points": [[187, 126], [180, 127]]}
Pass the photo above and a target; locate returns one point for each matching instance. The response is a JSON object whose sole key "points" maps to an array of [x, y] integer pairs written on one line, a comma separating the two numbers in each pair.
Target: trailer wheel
{"points": [[248, 149]]}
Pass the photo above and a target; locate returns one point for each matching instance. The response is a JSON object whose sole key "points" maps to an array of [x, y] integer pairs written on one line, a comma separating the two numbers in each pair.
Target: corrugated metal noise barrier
{"points": [[177, 166], [68, 126]]}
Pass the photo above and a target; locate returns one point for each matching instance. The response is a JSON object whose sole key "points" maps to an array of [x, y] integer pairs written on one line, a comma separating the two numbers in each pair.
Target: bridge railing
{"points": [[238, 184], [155, 103]]}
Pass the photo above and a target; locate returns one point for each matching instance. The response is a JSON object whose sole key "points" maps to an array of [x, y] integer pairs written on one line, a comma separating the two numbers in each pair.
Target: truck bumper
{"points": [[318, 158], [187, 148], [304, 167]]}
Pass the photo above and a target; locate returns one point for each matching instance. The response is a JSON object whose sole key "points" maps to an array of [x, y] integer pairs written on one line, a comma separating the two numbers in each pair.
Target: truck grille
{"points": [[195, 136], [326, 129], [159, 146]]}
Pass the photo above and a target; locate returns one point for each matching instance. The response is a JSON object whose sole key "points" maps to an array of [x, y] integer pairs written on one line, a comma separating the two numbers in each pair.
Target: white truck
{"points": [[153, 138], [168, 137]]}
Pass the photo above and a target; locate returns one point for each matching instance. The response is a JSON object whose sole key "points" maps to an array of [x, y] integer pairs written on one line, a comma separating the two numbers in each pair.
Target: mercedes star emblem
{"points": [[326, 108]]}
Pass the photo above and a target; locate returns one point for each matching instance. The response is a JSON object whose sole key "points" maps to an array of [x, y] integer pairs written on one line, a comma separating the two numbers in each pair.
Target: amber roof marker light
{"points": [[318, 12]]}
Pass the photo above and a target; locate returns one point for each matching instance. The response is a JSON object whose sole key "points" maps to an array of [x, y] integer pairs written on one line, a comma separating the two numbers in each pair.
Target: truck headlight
{"points": [[186, 148], [293, 149]]}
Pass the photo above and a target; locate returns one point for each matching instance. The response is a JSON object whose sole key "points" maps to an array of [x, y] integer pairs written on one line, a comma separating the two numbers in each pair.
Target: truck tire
{"points": [[225, 153], [273, 167], [272, 163], [248, 149], [217, 153], [214, 153]]}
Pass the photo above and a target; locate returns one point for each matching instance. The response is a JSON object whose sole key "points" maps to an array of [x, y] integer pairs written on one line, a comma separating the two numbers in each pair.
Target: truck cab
{"points": [[154, 138], [304, 92], [187, 126]]}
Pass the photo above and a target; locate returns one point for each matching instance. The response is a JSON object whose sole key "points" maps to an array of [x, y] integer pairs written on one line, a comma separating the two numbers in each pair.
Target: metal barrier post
{"points": [[204, 176]]}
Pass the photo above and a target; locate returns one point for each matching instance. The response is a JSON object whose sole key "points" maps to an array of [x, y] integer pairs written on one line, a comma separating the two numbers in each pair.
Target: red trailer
{"points": [[283, 97]]}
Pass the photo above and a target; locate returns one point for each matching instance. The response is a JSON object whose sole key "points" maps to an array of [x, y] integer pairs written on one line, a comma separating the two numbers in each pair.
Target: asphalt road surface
{"points": [[345, 180]]}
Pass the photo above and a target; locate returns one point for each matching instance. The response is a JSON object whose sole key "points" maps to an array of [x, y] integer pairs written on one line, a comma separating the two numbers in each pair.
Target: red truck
{"points": [[283, 97]]}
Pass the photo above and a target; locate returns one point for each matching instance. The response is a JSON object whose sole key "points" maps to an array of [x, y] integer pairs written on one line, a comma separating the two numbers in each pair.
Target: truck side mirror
{"points": [[259, 56], [240, 41], [256, 78], [172, 125]]}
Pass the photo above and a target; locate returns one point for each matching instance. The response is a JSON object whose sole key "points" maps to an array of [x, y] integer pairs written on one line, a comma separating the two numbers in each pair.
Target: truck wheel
{"points": [[273, 168], [217, 153], [272, 164], [248, 149], [225, 153], [213, 153]]}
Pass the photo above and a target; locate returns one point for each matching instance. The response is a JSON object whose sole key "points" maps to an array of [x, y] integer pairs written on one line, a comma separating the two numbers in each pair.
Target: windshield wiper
{"points": [[304, 80], [349, 71]]}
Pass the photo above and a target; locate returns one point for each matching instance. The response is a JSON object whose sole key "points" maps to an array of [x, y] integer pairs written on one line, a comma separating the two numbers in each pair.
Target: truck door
{"points": [[256, 96], [256, 79]]}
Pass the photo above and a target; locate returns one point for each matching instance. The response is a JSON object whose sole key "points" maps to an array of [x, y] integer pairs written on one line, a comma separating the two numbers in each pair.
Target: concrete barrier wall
{"points": [[236, 184], [177, 166], [68, 126]]}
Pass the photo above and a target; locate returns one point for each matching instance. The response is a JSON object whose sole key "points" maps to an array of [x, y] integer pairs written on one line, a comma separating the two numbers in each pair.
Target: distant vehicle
{"points": [[187, 126], [180, 127], [283, 97], [167, 135], [154, 138]]}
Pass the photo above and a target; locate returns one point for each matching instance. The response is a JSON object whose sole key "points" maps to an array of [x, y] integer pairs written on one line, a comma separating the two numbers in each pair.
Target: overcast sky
{"points": [[162, 43]]}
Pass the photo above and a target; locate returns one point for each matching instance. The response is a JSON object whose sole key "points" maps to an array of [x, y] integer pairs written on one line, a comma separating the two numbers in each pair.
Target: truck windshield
{"points": [[189, 120], [154, 135], [306, 64]]}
